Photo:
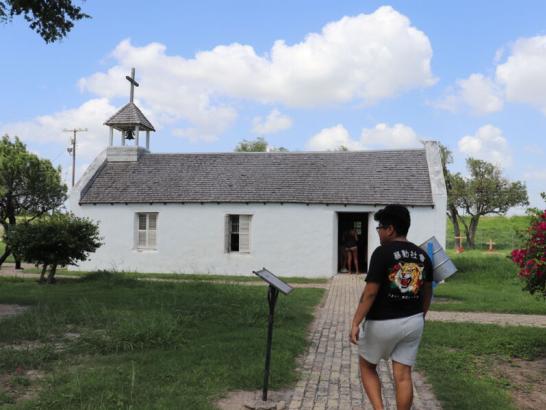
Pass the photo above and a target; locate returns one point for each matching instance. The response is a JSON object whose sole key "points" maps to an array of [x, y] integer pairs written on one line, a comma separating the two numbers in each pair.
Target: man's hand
{"points": [[355, 330]]}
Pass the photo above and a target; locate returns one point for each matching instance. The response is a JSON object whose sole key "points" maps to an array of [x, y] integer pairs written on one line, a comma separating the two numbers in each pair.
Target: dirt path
{"points": [[504, 319]]}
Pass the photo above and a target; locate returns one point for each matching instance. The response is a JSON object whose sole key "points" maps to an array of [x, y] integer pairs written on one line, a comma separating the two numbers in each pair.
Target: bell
{"points": [[129, 135]]}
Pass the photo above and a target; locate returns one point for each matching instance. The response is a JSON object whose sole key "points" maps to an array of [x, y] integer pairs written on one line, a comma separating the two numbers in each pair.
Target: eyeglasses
{"points": [[381, 227]]}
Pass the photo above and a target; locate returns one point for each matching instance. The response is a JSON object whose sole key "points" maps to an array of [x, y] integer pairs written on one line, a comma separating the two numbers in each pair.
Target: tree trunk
{"points": [[471, 231], [51, 277], [7, 252], [42, 274], [453, 216], [17, 262]]}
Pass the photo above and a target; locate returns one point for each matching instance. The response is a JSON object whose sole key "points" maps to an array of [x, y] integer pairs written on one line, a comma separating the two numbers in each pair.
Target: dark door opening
{"points": [[359, 222]]}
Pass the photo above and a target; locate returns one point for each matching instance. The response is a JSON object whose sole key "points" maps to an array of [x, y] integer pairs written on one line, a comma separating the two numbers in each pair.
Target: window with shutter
{"points": [[146, 230], [238, 235]]}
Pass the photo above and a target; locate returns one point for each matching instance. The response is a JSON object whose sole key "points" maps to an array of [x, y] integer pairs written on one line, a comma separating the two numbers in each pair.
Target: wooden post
{"points": [[123, 138], [111, 137], [148, 140], [137, 131]]}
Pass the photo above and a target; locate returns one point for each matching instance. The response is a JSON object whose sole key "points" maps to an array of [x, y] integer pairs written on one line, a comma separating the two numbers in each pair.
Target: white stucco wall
{"points": [[289, 239]]}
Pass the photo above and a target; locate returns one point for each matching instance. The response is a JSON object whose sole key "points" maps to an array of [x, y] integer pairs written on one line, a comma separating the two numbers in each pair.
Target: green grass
{"points": [[149, 344], [486, 283], [459, 359], [2, 249], [503, 230], [186, 277]]}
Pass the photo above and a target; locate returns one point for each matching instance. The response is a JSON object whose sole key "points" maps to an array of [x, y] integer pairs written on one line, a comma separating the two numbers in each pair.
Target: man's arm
{"points": [[364, 305], [427, 297]]}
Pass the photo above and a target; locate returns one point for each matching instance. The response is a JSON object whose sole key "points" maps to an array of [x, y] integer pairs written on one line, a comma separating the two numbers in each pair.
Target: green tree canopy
{"points": [[258, 145], [51, 19], [485, 192], [57, 240], [29, 186]]}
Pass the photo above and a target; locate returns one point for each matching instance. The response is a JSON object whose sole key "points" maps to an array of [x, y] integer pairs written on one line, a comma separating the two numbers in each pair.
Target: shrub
{"points": [[58, 240], [531, 258]]}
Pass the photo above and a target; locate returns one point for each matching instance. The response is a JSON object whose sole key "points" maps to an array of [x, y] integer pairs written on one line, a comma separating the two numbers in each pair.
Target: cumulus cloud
{"points": [[520, 78], [382, 136], [274, 122], [367, 57], [522, 75], [49, 128], [363, 58], [488, 144], [477, 93], [331, 139], [385, 136]]}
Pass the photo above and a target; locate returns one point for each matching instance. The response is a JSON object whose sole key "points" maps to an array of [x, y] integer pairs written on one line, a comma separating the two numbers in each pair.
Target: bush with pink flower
{"points": [[531, 258]]}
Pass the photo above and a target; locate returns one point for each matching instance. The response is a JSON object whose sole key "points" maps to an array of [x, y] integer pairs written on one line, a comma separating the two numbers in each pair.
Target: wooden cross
{"points": [[133, 83], [491, 243]]}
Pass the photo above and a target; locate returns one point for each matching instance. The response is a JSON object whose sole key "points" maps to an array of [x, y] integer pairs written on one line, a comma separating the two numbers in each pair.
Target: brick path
{"points": [[330, 375]]}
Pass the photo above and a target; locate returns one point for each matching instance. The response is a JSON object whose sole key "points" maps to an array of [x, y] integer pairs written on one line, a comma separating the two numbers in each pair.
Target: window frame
{"points": [[146, 231], [229, 232]]}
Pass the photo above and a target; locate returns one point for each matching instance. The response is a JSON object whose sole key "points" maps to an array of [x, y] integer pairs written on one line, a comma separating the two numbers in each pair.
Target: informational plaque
{"points": [[274, 281]]}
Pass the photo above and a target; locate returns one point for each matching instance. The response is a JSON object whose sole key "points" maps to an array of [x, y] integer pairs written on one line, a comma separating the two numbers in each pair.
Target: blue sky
{"points": [[306, 75]]}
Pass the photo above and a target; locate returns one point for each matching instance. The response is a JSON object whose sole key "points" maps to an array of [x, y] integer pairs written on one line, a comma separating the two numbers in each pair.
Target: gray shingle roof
{"points": [[128, 117], [357, 177]]}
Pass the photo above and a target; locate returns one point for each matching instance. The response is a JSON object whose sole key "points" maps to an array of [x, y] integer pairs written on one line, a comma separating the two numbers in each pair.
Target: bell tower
{"points": [[129, 121]]}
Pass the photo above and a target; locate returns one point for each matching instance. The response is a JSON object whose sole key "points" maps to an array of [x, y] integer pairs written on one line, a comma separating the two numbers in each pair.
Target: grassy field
{"points": [[185, 276], [105, 341], [460, 361], [486, 283], [501, 229]]}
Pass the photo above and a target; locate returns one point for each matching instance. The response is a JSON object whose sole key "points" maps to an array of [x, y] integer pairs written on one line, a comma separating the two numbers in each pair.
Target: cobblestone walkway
{"points": [[330, 375]]}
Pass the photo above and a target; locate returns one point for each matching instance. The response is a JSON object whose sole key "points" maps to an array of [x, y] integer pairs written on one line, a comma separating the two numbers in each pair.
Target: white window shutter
{"points": [[244, 233]]}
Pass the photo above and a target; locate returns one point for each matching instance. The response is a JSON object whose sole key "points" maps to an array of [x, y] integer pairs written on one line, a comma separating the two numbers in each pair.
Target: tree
{"points": [[257, 145], [53, 241], [455, 190], [29, 187], [51, 19], [486, 192]]}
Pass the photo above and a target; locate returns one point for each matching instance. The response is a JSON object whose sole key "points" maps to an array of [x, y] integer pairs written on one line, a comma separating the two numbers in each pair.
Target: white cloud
{"points": [[519, 79], [331, 139], [367, 57], [488, 144], [522, 74], [536, 175], [49, 128], [384, 136], [364, 58], [274, 122], [476, 93]]}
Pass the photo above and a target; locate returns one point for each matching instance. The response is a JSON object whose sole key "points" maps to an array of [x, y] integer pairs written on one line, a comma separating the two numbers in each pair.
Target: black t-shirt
{"points": [[400, 268]]}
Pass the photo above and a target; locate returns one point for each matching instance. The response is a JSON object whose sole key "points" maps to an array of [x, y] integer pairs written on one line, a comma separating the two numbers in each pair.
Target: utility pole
{"points": [[72, 149]]}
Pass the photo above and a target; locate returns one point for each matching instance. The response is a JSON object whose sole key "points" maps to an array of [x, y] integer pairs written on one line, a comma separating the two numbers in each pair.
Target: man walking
{"points": [[394, 304]]}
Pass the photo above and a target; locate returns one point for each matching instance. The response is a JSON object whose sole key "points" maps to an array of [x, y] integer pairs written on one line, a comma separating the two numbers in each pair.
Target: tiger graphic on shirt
{"points": [[407, 277]]}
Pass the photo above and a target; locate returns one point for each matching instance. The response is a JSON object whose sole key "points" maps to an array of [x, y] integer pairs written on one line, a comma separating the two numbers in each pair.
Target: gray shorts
{"points": [[397, 339]]}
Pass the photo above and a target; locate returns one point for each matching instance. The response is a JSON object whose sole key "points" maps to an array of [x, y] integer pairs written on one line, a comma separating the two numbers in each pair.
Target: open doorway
{"points": [[359, 222]]}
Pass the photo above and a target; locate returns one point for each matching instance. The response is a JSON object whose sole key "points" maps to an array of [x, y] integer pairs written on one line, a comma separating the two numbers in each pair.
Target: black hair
{"points": [[396, 215]]}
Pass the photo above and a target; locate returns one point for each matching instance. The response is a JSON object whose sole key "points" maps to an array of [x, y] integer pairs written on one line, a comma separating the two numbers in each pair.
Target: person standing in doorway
{"points": [[350, 248], [393, 306]]}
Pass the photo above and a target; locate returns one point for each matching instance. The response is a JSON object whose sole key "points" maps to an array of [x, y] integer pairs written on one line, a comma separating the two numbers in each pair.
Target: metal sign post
{"points": [[275, 285]]}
